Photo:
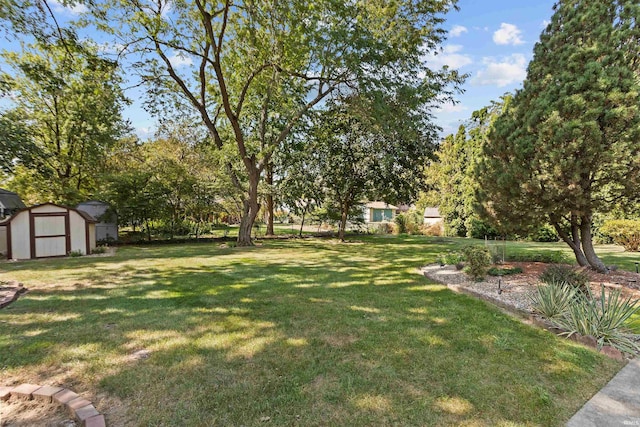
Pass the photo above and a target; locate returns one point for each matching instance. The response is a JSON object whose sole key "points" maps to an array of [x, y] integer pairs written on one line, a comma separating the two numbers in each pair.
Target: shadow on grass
{"points": [[304, 333]]}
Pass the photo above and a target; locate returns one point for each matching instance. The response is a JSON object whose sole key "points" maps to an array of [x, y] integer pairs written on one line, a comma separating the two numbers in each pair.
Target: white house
{"points": [[379, 212], [47, 230]]}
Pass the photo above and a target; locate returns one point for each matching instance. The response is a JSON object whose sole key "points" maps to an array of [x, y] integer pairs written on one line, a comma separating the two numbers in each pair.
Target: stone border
{"points": [[529, 318], [14, 292], [80, 408]]}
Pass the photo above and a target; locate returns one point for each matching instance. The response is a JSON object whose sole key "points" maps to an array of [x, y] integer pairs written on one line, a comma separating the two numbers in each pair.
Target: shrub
{"points": [[496, 271], [451, 258], [401, 222], [75, 254], [479, 229], [432, 229], [553, 300], [572, 276], [478, 260], [544, 233], [605, 318], [383, 228], [623, 232], [99, 250], [550, 257]]}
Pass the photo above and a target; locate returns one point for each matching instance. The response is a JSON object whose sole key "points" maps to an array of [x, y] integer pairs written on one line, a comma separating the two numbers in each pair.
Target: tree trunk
{"points": [[269, 180], [304, 212], [587, 245], [343, 222], [575, 246], [250, 211]]}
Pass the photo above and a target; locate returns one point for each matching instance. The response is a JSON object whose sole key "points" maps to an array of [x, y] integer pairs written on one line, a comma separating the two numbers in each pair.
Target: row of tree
{"points": [[336, 94]]}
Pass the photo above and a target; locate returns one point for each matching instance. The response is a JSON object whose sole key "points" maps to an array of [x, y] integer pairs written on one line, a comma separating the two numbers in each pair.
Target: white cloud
{"points": [[75, 9], [166, 9], [452, 108], [178, 60], [450, 56], [457, 30], [508, 34], [509, 70]]}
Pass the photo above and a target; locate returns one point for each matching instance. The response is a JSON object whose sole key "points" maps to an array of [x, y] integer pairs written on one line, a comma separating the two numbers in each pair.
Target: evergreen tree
{"points": [[569, 145]]}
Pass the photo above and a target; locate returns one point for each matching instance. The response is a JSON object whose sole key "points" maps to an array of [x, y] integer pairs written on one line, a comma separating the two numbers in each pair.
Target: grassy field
{"points": [[303, 332]]}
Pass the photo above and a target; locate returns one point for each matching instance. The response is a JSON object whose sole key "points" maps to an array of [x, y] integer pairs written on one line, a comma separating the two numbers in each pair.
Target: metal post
{"points": [[499, 285]]}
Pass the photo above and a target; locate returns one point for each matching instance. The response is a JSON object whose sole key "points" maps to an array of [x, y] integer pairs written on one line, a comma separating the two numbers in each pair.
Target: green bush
{"points": [[479, 229], [605, 318], [550, 257], [572, 276], [497, 271], [451, 258], [553, 300], [75, 254], [544, 233], [623, 232], [99, 250], [478, 260], [383, 228], [401, 222]]}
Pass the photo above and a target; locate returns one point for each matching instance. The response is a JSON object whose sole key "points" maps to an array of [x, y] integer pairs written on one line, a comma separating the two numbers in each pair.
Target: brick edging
{"points": [[80, 408], [13, 295]]}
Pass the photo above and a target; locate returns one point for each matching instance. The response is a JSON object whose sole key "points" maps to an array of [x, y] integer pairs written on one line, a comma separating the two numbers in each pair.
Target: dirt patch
{"points": [[23, 413]]}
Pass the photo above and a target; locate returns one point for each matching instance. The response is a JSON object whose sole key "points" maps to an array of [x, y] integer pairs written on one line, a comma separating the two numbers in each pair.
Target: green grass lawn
{"points": [[301, 332]]}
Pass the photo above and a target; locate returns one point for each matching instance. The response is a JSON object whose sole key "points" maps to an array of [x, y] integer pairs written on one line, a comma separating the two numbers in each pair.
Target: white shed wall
{"points": [[20, 236], [92, 236], [3, 240], [77, 231]]}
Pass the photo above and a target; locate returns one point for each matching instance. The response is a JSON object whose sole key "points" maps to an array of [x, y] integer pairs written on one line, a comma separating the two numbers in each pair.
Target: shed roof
{"points": [[11, 200], [380, 205], [83, 214], [432, 212]]}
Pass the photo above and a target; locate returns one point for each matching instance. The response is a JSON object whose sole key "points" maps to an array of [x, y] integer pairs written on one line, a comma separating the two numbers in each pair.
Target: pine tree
{"points": [[569, 145]]}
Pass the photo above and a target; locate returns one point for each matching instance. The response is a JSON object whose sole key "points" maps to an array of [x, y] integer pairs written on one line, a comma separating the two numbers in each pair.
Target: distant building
{"points": [[107, 226], [379, 212], [10, 203], [431, 216]]}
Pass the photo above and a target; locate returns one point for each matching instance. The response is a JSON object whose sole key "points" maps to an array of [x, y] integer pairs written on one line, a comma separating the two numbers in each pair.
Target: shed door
{"points": [[50, 235]]}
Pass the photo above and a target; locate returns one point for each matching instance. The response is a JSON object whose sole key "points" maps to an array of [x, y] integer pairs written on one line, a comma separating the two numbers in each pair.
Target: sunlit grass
{"points": [[304, 332]]}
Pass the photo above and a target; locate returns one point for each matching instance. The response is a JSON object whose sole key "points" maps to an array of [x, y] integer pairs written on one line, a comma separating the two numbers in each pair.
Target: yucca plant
{"points": [[554, 299], [605, 318]]}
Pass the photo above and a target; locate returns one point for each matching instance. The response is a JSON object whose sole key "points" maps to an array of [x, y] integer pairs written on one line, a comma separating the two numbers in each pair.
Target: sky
{"points": [[490, 40]]}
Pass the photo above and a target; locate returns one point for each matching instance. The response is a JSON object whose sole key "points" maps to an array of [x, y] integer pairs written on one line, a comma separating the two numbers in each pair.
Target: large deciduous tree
{"points": [[65, 113], [569, 145], [252, 69], [363, 148]]}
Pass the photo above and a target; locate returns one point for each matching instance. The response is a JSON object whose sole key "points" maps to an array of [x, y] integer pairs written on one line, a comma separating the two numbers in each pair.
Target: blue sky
{"points": [[491, 40]]}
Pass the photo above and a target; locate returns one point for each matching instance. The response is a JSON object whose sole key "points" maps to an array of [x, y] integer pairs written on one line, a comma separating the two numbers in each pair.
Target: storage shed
{"points": [[10, 203], [47, 230], [107, 225]]}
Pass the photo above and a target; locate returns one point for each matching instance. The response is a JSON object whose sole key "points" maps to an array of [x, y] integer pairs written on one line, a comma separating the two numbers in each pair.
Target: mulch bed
{"points": [[513, 293]]}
